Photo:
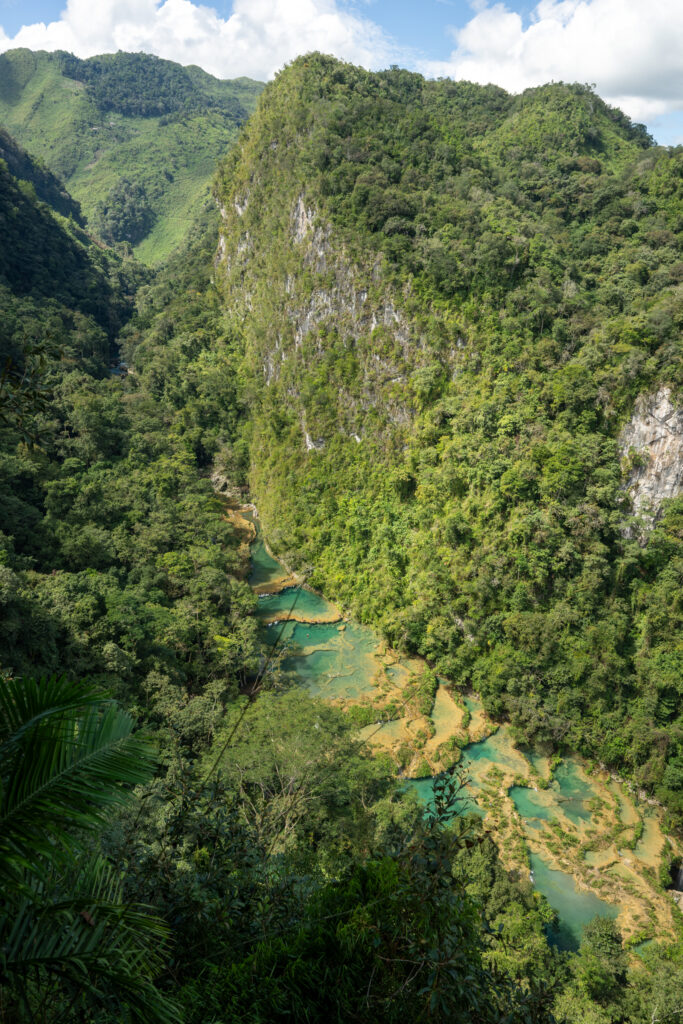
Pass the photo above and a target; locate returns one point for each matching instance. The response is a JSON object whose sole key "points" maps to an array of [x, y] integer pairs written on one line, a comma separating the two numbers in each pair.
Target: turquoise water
{"points": [[489, 753], [264, 568], [568, 793], [574, 907], [330, 662], [539, 761], [495, 751], [424, 788], [573, 792], [336, 662], [307, 603], [529, 804]]}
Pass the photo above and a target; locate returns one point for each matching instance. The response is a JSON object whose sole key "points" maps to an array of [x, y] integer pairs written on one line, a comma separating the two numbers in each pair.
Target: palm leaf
{"points": [[67, 757], [24, 702], [67, 940], [89, 946]]}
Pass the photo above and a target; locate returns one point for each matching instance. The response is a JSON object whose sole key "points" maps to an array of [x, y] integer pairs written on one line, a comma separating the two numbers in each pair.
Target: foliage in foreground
{"points": [[70, 945]]}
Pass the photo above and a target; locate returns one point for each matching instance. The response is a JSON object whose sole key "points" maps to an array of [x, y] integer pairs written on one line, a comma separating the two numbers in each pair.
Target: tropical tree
{"points": [[70, 947]]}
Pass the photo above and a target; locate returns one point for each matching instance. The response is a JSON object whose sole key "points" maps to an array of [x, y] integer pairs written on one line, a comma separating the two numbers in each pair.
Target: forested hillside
{"points": [[451, 298], [63, 299], [135, 138], [119, 567], [98, 578], [48, 187], [415, 336]]}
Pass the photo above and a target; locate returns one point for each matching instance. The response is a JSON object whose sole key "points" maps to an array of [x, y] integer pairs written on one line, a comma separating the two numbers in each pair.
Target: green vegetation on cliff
{"points": [[450, 298], [63, 299], [117, 563], [279, 858], [376, 403], [125, 117], [47, 186]]}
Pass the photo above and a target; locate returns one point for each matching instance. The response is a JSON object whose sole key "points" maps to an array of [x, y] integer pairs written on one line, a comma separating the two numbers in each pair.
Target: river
{"points": [[579, 836]]}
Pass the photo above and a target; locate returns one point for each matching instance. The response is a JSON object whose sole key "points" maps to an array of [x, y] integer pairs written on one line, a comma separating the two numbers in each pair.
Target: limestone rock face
{"points": [[300, 297], [655, 432]]}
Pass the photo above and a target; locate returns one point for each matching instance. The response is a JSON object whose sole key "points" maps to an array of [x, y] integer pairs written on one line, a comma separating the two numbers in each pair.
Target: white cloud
{"points": [[631, 49], [256, 40]]}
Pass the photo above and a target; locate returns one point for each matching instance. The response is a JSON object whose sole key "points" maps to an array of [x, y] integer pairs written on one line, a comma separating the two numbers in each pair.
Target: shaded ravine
{"points": [[574, 834]]}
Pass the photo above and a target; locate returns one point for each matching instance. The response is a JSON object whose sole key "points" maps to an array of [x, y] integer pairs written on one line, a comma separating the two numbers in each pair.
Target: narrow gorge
{"points": [[587, 842]]}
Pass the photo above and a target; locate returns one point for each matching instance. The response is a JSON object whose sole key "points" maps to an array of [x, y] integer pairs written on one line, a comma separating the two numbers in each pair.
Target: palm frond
{"points": [[89, 943], [62, 767], [24, 702]]}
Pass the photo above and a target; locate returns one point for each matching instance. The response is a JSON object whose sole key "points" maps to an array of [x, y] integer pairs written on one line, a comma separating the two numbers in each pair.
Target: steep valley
{"points": [[559, 824], [439, 362], [381, 751]]}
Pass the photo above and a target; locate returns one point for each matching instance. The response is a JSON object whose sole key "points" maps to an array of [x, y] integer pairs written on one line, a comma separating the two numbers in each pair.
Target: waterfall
{"points": [[677, 877]]}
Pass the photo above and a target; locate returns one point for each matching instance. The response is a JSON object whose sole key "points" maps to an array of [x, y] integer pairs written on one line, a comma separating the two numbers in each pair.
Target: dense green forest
{"points": [[451, 298], [119, 567], [184, 835], [47, 185], [135, 138]]}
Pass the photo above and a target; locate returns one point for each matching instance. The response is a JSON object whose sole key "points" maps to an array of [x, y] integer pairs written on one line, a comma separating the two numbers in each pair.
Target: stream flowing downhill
{"points": [[583, 841]]}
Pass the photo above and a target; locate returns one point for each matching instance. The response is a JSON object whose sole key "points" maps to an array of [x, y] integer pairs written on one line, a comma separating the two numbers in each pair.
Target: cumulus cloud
{"points": [[630, 49], [255, 40]]}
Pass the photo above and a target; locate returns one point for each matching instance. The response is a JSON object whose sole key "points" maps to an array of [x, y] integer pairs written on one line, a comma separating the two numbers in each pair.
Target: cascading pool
{"points": [[299, 603], [574, 907], [342, 661], [264, 568], [335, 661], [568, 793], [424, 790]]}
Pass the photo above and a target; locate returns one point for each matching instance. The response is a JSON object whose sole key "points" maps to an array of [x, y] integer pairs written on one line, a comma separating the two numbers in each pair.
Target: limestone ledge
{"points": [[597, 853], [241, 524], [277, 586], [594, 853], [294, 616]]}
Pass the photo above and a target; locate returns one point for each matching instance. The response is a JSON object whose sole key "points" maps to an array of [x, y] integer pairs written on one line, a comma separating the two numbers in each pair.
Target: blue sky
{"points": [[420, 25], [631, 49]]}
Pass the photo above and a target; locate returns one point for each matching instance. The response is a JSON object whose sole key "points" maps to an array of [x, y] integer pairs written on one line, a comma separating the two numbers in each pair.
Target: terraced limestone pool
{"points": [[297, 604], [330, 661], [561, 830], [574, 907], [264, 568], [568, 793]]}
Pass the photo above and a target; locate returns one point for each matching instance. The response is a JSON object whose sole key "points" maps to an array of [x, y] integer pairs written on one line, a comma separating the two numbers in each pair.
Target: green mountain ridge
{"points": [[62, 295], [155, 126], [450, 299]]}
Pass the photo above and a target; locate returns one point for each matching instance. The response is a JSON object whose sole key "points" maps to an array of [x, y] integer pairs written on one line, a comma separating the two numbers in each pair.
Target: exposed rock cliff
{"points": [[653, 442], [441, 299], [312, 305]]}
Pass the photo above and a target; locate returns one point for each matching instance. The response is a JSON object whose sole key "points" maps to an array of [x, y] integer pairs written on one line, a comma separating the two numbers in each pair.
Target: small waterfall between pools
{"points": [[337, 659]]}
